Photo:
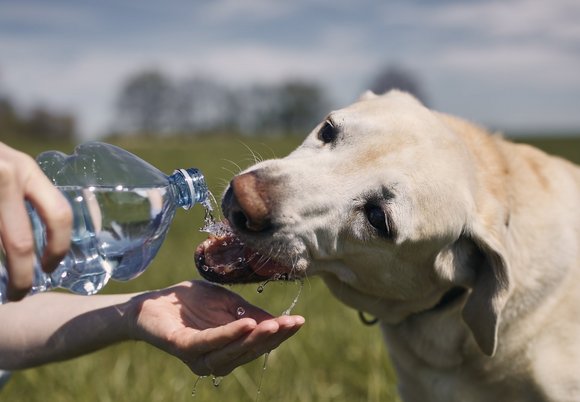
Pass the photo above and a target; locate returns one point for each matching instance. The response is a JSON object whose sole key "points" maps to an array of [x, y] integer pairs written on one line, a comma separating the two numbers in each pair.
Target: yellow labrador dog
{"points": [[464, 245]]}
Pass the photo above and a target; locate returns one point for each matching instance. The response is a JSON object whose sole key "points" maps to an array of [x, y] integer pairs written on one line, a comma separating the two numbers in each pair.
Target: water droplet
{"points": [[240, 312], [217, 381], [262, 286], [205, 268], [291, 307], [209, 220], [266, 355], [194, 390]]}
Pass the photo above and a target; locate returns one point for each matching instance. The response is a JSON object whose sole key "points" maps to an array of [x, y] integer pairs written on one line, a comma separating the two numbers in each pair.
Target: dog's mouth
{"points": [[224, 258]]}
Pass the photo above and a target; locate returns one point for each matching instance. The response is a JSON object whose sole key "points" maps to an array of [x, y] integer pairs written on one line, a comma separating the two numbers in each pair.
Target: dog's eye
{"points": [[327, 133], [376, 217]]}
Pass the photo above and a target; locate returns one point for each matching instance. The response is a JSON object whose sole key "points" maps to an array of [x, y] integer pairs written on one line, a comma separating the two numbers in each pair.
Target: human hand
{"points": [[21, 179], [200, 323]]}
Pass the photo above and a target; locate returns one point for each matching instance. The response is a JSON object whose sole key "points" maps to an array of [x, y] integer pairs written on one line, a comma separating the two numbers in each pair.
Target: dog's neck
{"points": [[413, 339], [448, 298]]}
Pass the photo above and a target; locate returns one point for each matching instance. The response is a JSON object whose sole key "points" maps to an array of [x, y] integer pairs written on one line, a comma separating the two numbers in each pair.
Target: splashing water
{"points": [[260, 288], [259, 392], [209, 219], [216, 381], [291, 307], [218, 228], [285, 312], [275, 277], [194, 390], [210, 225]]}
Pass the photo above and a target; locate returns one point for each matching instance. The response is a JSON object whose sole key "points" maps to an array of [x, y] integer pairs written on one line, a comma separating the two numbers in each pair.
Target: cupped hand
{"points": [[209, 328], [22, 180]]}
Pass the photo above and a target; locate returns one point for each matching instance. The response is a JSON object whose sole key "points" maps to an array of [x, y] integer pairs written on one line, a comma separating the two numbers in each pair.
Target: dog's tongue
{"points": [[224, 258]]}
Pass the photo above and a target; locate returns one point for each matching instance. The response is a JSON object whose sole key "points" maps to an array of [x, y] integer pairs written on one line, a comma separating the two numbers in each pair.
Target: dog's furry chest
{"points": [[437, 360]]}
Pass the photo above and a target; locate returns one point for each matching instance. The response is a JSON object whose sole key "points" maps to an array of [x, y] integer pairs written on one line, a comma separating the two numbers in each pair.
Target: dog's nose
{"points": [[246, 204]]}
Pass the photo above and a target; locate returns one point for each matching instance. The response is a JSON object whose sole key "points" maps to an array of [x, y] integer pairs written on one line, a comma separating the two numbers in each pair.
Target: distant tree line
{"points": [[38, 123], [150, 103]]}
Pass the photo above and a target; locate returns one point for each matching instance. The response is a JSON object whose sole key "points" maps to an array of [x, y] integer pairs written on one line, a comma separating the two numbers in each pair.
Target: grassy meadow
{"points": [[333, 358]]}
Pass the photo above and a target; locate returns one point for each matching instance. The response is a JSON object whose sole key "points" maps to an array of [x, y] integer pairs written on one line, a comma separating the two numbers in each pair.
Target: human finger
{"points": [[193, 346], [266, 337], [208, 340], [56, 213], [15, 232]]}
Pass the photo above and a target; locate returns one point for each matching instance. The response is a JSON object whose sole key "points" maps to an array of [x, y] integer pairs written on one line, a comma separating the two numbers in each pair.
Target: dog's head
{"points": [[384, 201]]}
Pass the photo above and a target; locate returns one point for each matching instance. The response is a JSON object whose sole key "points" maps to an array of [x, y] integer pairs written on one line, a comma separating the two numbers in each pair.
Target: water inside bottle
{"points": [[116, 233]]}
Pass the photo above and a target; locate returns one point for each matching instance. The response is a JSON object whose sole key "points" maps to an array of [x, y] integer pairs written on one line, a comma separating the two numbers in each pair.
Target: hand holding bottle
{"points": [[22, 180], [122, 208]]}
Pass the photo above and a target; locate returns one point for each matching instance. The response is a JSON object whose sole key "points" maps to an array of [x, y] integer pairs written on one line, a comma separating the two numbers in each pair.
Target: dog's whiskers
{"points": [[256, 157], [235, 165]]}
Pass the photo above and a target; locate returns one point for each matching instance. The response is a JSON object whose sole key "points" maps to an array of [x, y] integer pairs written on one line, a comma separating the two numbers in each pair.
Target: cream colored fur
{"points": [[468, 209]]}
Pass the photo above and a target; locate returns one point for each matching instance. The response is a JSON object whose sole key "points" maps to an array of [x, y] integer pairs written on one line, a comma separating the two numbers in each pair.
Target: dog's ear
{"points": [[368, 95], [490, 290]]}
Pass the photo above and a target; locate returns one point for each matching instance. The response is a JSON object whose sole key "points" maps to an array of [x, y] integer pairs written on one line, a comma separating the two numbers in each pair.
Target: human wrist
{"points": [[130, 311]]}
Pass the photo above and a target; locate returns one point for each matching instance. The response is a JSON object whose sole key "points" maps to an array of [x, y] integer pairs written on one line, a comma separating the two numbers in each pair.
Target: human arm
{"points": [[21, 179], [195, 321]]}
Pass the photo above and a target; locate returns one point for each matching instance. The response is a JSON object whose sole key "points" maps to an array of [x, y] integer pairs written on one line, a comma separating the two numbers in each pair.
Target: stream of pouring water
{"points": [[210, 225], [215, 380], [218, 228], [267, 355], [240, 312], [194, 390], [295, 301]]}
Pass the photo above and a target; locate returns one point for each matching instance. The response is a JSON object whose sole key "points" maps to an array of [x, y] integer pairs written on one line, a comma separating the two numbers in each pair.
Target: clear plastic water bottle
{"points": [[122, 208]]}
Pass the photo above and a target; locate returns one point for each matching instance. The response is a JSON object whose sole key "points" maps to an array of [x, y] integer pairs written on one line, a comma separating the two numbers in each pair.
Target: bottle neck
{"points": [[189, 186]]}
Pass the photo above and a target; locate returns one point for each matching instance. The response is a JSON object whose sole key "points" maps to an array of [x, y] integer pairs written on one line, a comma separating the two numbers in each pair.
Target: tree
{"points": [[9, 119], [291, 107], [203, 105], [40, 123], [395, 77], [300, 106], [46, 124], [151, 104], [144, 103]]}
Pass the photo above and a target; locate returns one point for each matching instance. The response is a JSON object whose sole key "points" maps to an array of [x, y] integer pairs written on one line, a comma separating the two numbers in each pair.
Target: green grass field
{"points": [[333, 358]]}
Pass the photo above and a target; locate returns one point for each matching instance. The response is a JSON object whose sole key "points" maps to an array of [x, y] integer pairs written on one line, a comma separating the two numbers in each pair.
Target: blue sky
{"points": [[510, 64]]}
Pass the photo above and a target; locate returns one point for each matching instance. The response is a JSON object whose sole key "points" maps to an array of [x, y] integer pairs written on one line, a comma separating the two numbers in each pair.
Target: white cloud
{"points": [[520, 43], [45, 15], [531, 65], [523, 44], [557, 19], [254, 10]]}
